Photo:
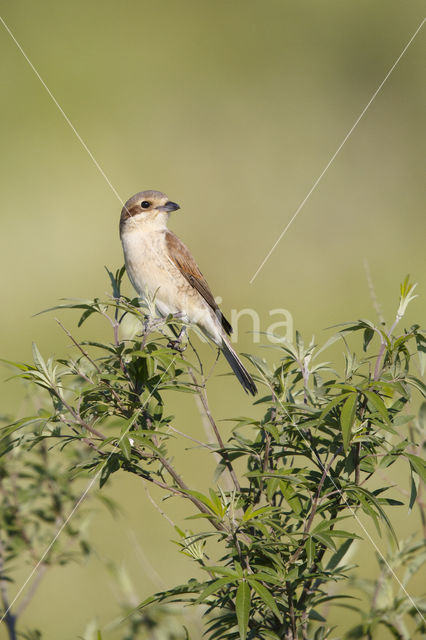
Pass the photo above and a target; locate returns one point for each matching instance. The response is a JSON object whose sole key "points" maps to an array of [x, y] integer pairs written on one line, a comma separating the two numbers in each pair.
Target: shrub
{"points": [[299, 478]]}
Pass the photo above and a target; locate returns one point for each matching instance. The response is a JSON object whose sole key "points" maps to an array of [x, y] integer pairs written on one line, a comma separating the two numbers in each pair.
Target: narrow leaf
{"points": [[242, 607], [376, 402], [413, 492], [267, 597], [418, 465], [310, 550], [213, 587], [347, 417]]}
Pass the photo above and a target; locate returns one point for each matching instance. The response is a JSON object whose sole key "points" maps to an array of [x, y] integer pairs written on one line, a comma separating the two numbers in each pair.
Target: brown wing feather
{"points": [[186, 264]]}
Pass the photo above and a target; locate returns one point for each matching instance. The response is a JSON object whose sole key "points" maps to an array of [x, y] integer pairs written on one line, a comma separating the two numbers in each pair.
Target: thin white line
{"points": [[95, 162], [84, 145], [354, 514], [80, 500], [301, 205]]}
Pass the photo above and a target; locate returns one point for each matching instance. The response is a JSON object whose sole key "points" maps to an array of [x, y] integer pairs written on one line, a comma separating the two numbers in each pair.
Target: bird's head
{"points": [[147, 207]]}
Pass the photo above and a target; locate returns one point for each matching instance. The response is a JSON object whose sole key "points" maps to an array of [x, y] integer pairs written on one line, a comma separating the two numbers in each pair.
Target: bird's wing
{"points": [[186, 264]]}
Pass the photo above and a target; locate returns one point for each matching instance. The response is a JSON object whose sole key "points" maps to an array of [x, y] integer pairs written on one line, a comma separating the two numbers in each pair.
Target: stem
{"points": [[8, 617], [92, 362], [372, 291], [79, 347], [294, 634], [315, 502], [78, 418], [203, 397], [382, 349], [31, 590], [357, 463], [185, 492], [305, 372], [267, 451], [185, 435]]}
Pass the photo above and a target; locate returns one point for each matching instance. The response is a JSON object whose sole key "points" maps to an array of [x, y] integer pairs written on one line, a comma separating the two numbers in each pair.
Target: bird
{"points": [[161, 268]]}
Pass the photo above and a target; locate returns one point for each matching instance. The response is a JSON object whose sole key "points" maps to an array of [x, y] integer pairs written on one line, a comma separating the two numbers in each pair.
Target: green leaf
{"points": [[111, 465], [291, 496], [368, 336], [266, 596], [333, 403], [125, 446], [86, 314], [204, 499], [38, 359], [249, 514], [418, 384], [242, 607], [146, 602], [219, 508], [314, 615], [347, 418], [212, 588], [413, 492], [225, 571], [418, 465], [325, 539], [339, 555], [421, 352], [376, 402], [310, 550], [422, 416], [10, 428]]}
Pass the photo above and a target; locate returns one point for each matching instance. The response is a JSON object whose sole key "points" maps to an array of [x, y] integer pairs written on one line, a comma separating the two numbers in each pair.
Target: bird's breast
{"points": [[153, 274], [145, 258]]}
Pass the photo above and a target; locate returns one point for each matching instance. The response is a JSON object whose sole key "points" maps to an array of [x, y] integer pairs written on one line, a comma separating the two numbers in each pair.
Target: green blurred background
{"points": [[233, 108]]}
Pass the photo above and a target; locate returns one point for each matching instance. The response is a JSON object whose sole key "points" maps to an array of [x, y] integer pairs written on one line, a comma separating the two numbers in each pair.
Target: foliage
{"points": [[303, 476], [38, 493], [158, 622]]}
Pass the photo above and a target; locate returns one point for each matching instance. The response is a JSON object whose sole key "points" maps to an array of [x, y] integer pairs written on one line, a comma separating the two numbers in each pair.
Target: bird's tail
{"points": [[238, 368]]}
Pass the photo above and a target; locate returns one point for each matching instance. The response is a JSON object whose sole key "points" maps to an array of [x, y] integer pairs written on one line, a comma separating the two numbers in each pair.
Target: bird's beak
{"points": [[169, 206]]}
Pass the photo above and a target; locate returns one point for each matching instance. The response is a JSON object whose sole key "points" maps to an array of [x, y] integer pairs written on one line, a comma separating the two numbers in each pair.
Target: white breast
{"points": [[143, 255], [154, 275]]}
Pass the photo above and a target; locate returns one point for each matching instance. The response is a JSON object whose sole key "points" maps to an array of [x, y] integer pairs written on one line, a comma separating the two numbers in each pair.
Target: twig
{"points": [[161, 512], [294, 634], [314, 508], [79, 347], [9, 617], [202, 444], [382, 349], [203, 398], [149, 569], [86, 355], [185, 491], [374, 300], [41, 570], [78, 418]]}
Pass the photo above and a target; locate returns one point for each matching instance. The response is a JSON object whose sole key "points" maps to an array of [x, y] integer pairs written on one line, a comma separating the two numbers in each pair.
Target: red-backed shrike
{"points": [[161, 268]]}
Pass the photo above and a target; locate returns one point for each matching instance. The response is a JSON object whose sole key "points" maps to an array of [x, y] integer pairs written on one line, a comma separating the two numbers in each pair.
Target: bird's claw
{"points": [[177, 345]]}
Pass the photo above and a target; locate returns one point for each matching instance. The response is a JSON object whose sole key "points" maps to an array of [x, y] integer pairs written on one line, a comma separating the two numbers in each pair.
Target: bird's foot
{"points": [[177, 345]]}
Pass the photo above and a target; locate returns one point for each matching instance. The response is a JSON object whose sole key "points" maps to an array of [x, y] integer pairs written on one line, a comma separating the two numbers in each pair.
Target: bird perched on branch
{"points": [[161, 267]]}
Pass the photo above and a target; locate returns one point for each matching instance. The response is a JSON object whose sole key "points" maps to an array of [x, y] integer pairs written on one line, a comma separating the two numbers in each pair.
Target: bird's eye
{"points": [[145, 204]]}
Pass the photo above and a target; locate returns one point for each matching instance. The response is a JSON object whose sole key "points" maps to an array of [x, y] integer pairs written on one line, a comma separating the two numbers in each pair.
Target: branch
{"points": [[382, 349], [315, 502], [32, 589], [293, 629], [204, 401], [185, 491], [8, 617]]}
